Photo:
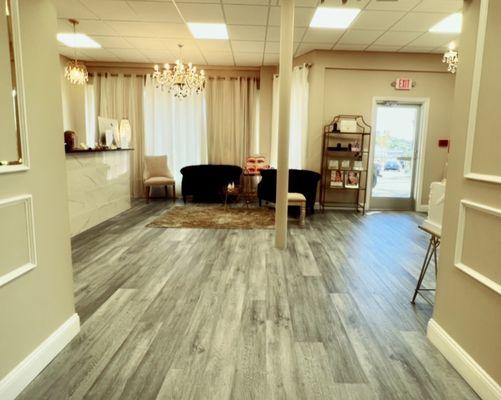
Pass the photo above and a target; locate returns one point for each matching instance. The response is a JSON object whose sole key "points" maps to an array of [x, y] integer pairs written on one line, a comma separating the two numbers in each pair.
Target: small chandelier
{"points": [[76, 72], [181, 80], [451, 59]]}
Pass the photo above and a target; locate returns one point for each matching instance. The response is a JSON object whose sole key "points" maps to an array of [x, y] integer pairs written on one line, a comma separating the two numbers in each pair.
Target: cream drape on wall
{"points": [[118, 97], [298, 119], [175, 127], [232, 126]]}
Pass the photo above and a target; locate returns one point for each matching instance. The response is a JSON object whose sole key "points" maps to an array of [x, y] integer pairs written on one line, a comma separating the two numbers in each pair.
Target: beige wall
{"points": [[469, 311], [34, 305], [73, 104], [347, 82]]}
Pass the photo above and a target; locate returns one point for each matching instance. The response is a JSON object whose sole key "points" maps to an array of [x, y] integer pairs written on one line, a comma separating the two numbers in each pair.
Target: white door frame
{"points": [[424, 102]]}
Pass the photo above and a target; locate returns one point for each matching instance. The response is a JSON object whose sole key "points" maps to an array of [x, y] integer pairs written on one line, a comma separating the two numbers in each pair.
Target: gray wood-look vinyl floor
{"points": [[222, 314]]}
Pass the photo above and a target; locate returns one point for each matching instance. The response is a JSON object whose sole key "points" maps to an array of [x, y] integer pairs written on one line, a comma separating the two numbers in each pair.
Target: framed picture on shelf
{"points": [[345, 164], [358, 165], [348, 125], [352, 180], [337, 178], [333, 164], [356, 146]]}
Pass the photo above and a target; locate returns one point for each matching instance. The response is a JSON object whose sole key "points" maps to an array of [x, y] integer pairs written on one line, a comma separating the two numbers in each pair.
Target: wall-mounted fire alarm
{"points": [[443, 142]]}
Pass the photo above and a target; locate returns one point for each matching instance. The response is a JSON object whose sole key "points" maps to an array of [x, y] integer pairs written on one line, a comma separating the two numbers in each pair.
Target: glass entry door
{"points": [[395, 155]]}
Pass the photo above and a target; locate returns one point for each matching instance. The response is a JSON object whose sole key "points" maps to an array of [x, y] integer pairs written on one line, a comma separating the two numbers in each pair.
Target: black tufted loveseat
{"points": [[207, 182], [300, 181]]}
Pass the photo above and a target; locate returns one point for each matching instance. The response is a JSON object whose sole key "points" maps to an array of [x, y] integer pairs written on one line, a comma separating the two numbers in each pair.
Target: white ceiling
{"points": [[149, 30]]}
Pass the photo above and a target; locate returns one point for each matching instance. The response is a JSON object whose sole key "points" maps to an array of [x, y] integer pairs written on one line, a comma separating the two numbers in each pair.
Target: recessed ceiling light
{"points": [[78, 40], [450, 24], [334, 18], [452, 45], [208, 31]]}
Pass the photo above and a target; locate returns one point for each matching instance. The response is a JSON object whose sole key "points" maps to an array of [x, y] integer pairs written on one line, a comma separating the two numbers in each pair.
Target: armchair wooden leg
{"points": [[174, 192], [147, 193], [166, 191]]}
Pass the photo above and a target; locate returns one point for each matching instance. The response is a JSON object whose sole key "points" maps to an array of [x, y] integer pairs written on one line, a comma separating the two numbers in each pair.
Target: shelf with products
{"points": [[347, 133], [349, 169], [347, 153], [344, 171], [344, 188]]}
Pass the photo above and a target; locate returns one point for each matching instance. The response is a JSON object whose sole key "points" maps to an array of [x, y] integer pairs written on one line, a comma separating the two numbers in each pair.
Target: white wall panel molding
{"points": [[458, 252], [474, 99], [17, 270]]}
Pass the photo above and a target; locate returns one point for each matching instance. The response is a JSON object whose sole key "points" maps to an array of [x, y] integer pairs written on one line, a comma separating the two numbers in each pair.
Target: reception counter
{"points": [[98, 186]]}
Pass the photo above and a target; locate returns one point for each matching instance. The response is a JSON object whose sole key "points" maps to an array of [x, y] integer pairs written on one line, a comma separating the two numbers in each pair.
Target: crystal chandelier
{"points": [[181, 80], [452, 60], [76, 72]]}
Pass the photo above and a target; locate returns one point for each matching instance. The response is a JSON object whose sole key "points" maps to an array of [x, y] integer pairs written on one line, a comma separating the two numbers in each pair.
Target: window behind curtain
{"points": [[175, 127], [298, 118]]}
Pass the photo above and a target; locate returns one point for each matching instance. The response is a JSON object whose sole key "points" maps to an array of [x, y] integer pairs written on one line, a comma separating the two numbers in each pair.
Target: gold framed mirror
{"points": [[13, 138]]}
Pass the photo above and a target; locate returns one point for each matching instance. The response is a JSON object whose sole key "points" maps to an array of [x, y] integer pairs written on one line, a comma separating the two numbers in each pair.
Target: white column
{"points": [[285, 71]]}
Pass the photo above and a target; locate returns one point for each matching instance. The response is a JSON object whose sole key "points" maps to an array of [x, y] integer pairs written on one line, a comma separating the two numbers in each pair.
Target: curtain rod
{"points": [[149, 66], [233, 77], [305, 65], [115, 74], [144, 76]]}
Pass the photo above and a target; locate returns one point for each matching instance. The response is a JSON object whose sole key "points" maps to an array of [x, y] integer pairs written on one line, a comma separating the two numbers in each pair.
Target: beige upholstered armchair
{"points": [[157, 173]]}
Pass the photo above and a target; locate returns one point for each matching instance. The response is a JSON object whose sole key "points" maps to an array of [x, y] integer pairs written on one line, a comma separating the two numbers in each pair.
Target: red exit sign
{"points": [[403, 84]]}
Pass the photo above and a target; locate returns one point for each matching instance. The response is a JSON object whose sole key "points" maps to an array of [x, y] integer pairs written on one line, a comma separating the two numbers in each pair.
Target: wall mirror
{"points": [[13, 144]]}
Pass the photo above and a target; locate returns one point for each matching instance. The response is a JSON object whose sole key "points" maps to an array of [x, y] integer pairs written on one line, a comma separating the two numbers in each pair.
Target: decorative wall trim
{"points": [[464, 204], [475, 92], [23, 124], [27, 200], [485, 386], [422, 207], [20, 377]]}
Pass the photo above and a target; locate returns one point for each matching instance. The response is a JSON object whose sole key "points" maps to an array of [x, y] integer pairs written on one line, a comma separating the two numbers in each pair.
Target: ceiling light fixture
{"points": [[333, 18], [76, 72], [208, 31], [181, 80], [77, 40], [450, 24]]}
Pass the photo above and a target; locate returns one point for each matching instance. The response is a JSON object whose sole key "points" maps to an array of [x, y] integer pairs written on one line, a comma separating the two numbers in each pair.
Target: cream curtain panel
{"points": [[298, 119], [232, 120], [175, 127], [118, 97]]}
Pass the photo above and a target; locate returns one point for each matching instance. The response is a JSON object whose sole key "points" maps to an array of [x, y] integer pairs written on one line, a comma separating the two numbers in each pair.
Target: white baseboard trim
{"points": [[27, 370], [422, 208], [485, 386]]}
